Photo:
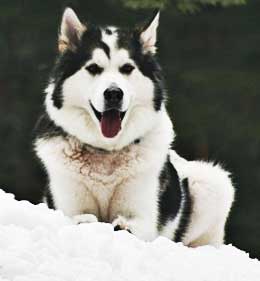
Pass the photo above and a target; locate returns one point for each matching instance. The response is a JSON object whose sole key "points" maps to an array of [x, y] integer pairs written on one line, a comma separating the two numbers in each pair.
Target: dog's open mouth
{"points": [[110, 121]]}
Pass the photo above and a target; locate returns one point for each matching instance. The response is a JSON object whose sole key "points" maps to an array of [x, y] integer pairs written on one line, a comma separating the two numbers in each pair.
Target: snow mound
{"points": [[38, 244]]}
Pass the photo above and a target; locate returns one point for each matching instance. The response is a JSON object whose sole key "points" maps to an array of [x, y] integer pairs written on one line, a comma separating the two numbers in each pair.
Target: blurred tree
{"points": [[183, 5]]}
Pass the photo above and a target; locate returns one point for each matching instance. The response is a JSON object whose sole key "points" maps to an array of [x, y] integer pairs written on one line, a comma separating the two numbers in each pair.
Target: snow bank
{"points": [[38, 244]]}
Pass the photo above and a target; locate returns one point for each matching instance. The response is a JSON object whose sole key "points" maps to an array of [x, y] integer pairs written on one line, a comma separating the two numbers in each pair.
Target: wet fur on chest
{"points": [[95, 167], [102, 174]]}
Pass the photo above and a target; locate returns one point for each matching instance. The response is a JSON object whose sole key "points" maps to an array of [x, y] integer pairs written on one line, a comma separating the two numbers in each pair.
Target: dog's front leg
{"points": [[134, 208], [73, 198]]}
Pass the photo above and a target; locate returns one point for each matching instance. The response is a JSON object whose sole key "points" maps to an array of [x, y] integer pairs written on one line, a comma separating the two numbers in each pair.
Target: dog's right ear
{"points": [[70, 31], [148, 36]]}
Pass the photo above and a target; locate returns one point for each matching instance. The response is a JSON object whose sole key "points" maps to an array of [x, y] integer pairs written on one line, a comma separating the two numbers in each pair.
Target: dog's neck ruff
{"points": [[84, 147]]}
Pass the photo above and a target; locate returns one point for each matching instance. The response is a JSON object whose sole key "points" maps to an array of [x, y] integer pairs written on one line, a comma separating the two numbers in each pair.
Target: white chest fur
{"points": [[100, 172]]}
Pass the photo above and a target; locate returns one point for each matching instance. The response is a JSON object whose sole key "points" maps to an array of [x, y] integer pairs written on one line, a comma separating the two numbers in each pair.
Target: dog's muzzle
{"points": [[112, 116]]}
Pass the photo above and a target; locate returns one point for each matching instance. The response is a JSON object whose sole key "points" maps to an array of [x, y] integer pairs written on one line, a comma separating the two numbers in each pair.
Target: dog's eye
{"points": [[94, 69], [126, 68]]}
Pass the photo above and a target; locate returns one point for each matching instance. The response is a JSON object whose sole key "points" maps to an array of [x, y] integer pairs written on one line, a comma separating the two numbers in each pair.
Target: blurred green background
{"points": [[210, 54]]}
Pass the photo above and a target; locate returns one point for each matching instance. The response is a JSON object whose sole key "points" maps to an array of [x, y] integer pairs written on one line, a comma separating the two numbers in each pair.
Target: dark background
{"points": [[211, 60]]}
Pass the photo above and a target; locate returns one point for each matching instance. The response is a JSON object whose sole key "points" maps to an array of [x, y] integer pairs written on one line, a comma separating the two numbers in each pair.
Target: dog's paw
{"points": [[84, 218], [120, 223], [119, 227]]}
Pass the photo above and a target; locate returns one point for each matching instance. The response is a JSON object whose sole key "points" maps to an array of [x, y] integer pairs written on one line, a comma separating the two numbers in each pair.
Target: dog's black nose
{"points": [[113, 97], [113, 94]]}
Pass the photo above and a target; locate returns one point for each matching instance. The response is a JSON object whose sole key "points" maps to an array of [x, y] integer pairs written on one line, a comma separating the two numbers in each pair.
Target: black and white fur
{"points": [[134, 179]]}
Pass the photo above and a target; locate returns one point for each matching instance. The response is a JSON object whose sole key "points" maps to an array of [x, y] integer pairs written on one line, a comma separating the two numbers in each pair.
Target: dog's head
{"points": [[106, 88]]}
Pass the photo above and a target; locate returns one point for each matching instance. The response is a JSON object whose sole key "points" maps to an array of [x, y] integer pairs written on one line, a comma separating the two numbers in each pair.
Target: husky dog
{"points": [[105, 141]]}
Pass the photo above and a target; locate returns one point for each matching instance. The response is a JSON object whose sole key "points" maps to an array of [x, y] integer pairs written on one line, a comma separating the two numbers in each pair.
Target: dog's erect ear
{"points": [[70, 31], [148, 36]]}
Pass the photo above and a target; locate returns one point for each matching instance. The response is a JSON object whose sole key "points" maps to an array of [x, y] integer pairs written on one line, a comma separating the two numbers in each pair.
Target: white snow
{"points": [[38, 244]]}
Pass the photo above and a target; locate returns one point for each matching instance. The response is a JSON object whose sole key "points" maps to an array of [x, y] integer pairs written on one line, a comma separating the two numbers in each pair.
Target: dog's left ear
{"points": [[148, 36], [70, 31]]}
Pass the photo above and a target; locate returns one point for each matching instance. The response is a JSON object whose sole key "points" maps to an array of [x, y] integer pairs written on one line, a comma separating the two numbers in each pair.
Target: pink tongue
{"points": [[110, 123]]}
